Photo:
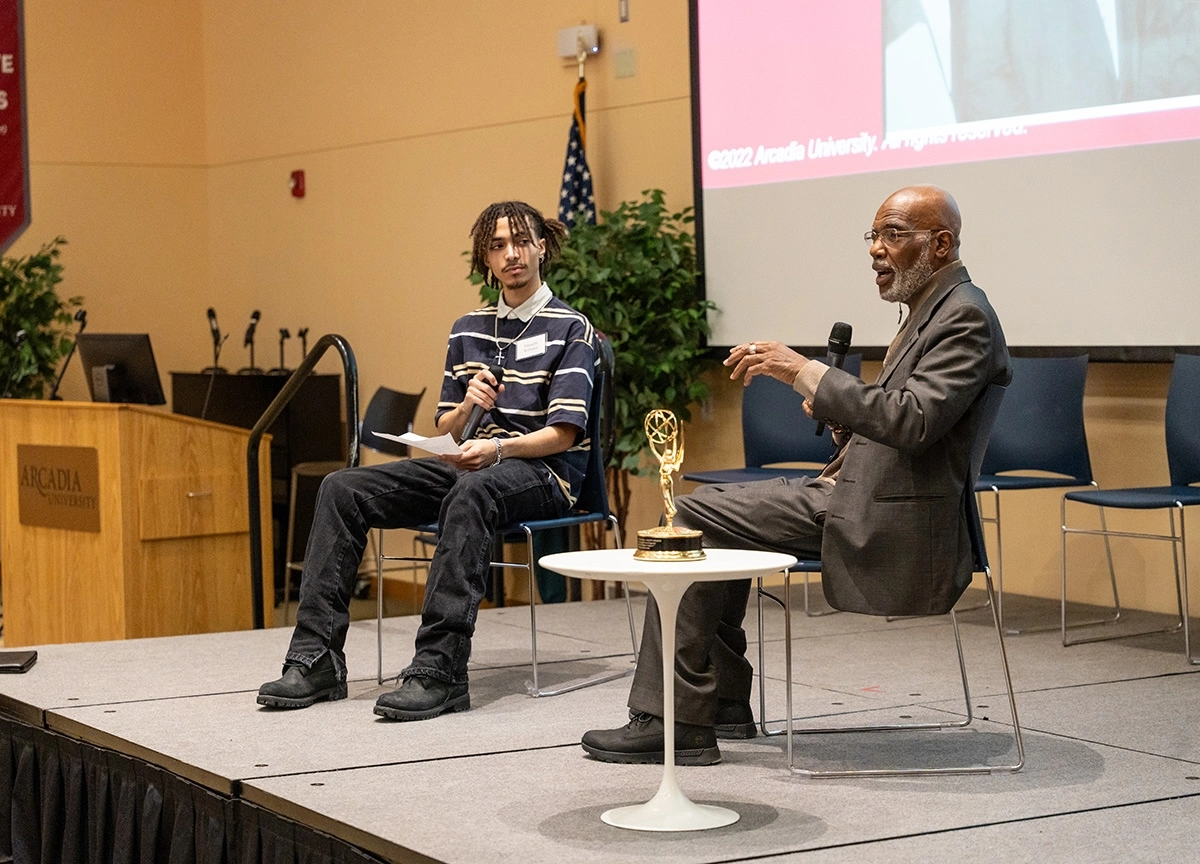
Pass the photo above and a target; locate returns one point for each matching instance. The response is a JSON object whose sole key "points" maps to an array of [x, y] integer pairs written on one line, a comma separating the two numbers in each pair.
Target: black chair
{"points": [[1183, 461], [388, 411], [776, 430], [1040, 428], [990, 405], [591, 507]]}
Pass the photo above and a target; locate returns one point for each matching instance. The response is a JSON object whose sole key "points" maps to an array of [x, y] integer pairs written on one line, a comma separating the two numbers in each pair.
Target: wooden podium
{"points": [[121, 521]]}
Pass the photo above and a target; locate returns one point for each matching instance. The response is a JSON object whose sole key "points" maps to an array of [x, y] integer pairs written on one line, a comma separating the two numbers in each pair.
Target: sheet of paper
{"points": [[442, 445]]}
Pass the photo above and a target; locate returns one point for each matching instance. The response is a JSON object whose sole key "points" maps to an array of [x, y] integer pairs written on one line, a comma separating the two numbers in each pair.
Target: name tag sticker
{"points": [[534, 346]]}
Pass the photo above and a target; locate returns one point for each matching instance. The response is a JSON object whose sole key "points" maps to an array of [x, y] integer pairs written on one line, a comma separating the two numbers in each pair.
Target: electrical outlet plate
{"points": [[568, 40]]}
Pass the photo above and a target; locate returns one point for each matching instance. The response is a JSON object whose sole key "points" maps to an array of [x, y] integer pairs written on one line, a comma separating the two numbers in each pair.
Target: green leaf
{"points": [[29, 301]]}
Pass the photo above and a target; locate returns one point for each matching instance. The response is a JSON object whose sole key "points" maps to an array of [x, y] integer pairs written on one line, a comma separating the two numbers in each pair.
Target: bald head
{"points": [[928, 207], [914, 235]]}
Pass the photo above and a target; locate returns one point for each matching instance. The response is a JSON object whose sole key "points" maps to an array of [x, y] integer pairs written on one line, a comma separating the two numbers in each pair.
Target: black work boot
{"points": [[640, 742], [300, 687], [420, 698], [735, 720]]}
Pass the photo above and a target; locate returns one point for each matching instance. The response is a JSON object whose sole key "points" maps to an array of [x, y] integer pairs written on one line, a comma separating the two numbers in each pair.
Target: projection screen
{"points": [[1066, 129]]}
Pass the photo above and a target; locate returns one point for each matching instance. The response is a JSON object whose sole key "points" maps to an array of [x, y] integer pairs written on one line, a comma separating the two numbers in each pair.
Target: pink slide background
{"points": [[790, 77]]}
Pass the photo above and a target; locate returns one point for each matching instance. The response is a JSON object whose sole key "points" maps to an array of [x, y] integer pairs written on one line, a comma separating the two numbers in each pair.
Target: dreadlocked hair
{"points": [[522, 219]]}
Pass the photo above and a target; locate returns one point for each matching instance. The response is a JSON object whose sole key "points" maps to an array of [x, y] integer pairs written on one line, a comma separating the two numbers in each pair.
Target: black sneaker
{"points": [[300, 687], [640, 742], [420, 698], [735, 720]]}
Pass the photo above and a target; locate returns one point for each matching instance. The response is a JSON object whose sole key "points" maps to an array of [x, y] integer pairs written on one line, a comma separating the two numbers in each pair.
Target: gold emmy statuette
{"points": [[666, 542]]}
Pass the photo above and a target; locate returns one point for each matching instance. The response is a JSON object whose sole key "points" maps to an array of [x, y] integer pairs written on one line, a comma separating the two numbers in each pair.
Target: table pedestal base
{"points": [[669, 812], [669, 809]]}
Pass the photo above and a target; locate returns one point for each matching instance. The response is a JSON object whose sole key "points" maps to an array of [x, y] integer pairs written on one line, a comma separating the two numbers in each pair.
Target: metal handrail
{"points": [[297, 378]]}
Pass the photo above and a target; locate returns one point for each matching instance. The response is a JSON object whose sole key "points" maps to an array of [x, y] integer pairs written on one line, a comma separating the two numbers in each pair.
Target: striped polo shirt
{"points": [[549, 365]]}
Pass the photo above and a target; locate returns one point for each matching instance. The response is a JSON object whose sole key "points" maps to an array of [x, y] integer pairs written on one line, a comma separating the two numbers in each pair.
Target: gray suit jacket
{"points": [[895, 540]]}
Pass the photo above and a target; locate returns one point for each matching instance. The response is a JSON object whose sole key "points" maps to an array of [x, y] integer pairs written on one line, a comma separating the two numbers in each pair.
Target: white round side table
{"points": [[670, 809]]}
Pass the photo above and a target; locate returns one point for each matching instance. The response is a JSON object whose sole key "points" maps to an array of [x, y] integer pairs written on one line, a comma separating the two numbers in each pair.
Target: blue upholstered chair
{"points": [[1183, 462], [775, 430], [1040, 428]]}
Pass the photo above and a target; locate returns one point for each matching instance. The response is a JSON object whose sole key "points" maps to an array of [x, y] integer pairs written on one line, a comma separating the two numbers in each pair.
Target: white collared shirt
{"points": [[526, 310]]}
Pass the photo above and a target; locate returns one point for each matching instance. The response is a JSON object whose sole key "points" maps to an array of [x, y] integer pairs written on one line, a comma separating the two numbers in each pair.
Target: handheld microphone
{"points": [[839, 345], [249, 340], [212, 325], [476, 414], [81, 317]]}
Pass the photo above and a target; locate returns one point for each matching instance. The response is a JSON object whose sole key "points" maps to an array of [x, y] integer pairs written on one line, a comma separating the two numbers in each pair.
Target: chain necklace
{"points": [[500, 349]]}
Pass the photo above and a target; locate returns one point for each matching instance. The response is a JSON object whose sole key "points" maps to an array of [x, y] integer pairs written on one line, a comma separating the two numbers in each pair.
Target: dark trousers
{"points": [[710, 643], [469, 507]]}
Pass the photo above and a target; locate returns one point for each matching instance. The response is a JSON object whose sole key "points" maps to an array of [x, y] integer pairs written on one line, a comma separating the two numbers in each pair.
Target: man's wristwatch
{"points": [[499, 453]]}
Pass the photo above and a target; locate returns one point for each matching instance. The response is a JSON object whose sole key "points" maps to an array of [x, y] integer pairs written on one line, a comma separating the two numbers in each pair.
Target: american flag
{"points": [[576, 195]]}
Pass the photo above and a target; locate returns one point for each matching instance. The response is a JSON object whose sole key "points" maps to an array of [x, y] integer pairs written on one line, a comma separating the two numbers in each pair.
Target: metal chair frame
{"points": [[595, 494], [1040, 428], [990, 405], [1183, 460], [1178, 551]]}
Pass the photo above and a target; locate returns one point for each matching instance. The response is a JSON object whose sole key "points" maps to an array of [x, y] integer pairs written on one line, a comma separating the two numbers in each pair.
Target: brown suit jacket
{"points": [[895, 540]]}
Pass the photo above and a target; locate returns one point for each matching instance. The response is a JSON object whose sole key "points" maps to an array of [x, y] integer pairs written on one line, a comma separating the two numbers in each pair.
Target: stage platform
{"points": [[1111, 736]]}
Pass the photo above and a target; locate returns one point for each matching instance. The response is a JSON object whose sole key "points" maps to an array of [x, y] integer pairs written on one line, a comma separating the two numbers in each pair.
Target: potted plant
{"points": [[29, 304], [634, 273]]}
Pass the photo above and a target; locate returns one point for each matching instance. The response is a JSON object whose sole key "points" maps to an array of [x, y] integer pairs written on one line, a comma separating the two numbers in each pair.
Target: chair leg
{"points": [[1180, 581], [766, 731], [1182, 585], [915, 772], [379, 608], [807, 611], [532, 687], [1044, 628], [999, 554]]}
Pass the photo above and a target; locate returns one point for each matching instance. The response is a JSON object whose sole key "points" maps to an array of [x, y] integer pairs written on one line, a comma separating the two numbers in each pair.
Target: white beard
{"points": [[906, 283]]}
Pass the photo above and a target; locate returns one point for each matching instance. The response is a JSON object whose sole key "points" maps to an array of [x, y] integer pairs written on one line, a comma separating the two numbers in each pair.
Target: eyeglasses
{"points": [[890, 236]]}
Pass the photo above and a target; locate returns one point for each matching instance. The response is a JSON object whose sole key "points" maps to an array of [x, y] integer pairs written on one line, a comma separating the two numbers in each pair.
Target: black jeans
{"points": [[469, 507]]}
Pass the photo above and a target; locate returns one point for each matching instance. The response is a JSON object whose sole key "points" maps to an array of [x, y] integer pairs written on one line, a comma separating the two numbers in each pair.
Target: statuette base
{"points": [[669, 544]]}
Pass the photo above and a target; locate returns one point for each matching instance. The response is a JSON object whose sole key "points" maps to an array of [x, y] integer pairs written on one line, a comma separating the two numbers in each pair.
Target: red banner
{"points": [[14, 142]]}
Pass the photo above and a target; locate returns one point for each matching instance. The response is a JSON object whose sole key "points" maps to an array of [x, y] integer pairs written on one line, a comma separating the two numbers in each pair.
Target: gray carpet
{"points": [[1113, 770]]}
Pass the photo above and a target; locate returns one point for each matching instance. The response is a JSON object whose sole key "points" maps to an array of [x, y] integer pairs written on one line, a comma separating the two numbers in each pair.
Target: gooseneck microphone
{"points": [[249, 340], [212, 325], [839, 345], [218, 340], [81, 317], [476, 414]]}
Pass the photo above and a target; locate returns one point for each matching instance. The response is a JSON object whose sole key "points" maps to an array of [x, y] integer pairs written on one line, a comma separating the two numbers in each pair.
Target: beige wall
{"points": [[163, 134]]}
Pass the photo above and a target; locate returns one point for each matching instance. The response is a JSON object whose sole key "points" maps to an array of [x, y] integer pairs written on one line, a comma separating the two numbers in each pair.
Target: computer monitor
{"points": [[120, 367]]}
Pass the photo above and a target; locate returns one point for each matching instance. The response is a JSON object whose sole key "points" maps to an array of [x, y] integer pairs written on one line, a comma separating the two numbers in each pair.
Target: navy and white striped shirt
{"points": [[549, 366]]}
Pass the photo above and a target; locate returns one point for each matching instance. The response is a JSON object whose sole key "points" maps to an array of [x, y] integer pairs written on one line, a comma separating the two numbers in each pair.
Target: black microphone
{"points": [[249, 340], [81, 317], [212, 325], [476, 414], [839, 344]]}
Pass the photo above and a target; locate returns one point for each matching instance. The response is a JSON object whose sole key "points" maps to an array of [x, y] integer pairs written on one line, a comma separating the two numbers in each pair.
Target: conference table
{"points": [[670, 809]]}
